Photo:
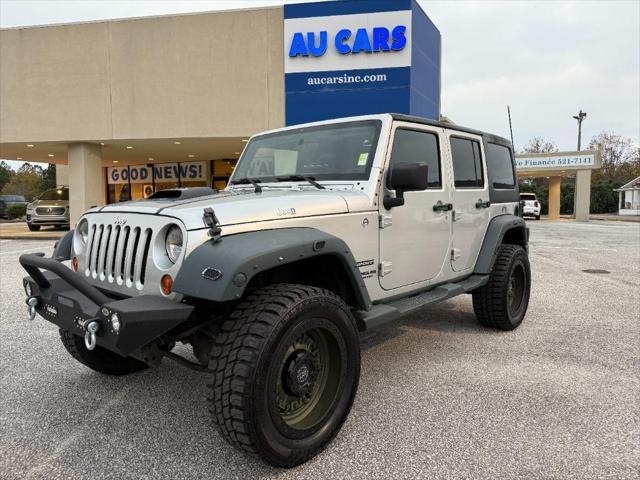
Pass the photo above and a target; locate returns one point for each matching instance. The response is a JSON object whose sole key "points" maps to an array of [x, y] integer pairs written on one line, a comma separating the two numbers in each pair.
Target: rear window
{"points": [[55, 194], [500, 165], [527, 196]]}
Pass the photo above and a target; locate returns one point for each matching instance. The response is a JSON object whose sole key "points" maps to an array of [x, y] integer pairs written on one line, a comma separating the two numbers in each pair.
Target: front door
{"points": [[414, 238], [471, 212]]}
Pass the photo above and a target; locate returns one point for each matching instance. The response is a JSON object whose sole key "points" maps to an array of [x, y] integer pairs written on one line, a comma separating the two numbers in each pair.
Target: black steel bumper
{"points": [[69, 301]]}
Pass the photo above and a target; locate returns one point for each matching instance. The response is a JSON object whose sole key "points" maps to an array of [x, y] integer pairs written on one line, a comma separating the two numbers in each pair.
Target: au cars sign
{"points": [[355, 57]]}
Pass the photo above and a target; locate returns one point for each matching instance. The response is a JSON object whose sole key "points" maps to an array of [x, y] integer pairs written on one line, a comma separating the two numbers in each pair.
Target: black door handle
{"points": [[481, 204], [442, 207]]}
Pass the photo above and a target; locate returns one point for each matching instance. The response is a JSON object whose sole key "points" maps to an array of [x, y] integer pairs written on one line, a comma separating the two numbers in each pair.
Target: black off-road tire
{"points": [[247, 359], [33, 228], [99, 359], [491, 302]]}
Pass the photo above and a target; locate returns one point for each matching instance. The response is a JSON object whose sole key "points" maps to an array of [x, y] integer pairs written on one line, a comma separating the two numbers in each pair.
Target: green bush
{"points": [[16, 211]]}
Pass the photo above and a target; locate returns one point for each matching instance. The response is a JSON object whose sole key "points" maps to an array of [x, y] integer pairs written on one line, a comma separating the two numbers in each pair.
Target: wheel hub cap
{"points": [[299, 374]]}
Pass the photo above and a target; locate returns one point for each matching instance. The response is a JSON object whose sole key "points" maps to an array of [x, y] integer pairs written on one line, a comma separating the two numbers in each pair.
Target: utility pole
{"points": [[580, 117]]}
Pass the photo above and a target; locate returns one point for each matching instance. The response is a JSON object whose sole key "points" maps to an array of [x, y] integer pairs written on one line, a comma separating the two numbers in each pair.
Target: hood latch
{"points": [[213, 223]]}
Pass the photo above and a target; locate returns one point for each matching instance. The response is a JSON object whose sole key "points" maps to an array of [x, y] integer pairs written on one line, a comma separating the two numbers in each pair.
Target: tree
{"points": [[49, 177], [620, 158], [27, 181], [5, 174], [540, 145]]}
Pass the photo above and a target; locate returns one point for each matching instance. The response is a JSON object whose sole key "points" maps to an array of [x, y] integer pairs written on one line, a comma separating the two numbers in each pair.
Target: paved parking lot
{"points": [[439, 397]]}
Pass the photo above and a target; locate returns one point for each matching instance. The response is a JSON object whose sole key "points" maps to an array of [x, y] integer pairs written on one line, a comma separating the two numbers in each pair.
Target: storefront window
{"points": [[221, 171]]}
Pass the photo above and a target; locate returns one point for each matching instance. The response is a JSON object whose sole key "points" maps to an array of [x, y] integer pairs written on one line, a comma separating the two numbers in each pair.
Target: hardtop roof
{"points": [[451, 126]]}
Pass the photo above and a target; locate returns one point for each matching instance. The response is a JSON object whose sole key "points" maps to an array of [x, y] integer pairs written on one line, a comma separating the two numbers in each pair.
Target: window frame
{"points": [[434, 132], [482, 163]]}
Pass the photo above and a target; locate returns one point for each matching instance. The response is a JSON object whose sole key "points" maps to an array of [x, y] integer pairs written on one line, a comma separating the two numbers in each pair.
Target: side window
{"points": [[412, 146], [500, 166], [467, 163]]}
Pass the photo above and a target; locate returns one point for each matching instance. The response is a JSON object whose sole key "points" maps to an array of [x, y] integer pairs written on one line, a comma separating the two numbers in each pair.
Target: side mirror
{"points": [[405, 177]]}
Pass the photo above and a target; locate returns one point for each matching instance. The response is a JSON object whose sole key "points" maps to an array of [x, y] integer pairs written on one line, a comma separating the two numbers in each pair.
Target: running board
{"points": [[386, 312]]}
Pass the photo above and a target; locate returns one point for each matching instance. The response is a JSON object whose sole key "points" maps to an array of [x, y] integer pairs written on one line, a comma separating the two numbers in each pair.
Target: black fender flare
{"points": [[236, 259], [63, 248], [497, 229]]}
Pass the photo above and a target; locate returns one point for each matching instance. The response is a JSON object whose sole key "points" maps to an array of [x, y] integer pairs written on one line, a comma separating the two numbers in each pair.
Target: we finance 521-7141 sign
{"points": [[559, 161]]}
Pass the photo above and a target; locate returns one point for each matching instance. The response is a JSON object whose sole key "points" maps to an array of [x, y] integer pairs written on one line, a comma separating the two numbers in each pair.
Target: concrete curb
{"points": [[24, 237]]}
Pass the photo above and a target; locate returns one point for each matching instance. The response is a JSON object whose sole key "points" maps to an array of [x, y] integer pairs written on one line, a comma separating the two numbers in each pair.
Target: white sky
{"points": [[545, 59]]}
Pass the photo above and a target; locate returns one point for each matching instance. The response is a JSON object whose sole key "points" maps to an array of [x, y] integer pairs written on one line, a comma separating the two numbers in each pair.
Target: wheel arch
{"points": [[292, 255], [503, 229]]}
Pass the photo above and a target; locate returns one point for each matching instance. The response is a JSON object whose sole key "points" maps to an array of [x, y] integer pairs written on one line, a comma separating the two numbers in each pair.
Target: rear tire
{"points": [[286, 367], [99, 359], [502, 303], [33, 228], [537, 217]]}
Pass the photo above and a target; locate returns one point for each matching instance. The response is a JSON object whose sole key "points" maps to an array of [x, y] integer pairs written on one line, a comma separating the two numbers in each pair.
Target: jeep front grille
{"points": [[118, 253]]}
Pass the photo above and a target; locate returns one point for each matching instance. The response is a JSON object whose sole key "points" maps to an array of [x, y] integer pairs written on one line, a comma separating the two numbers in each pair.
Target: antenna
{"points": [[511, 127]]}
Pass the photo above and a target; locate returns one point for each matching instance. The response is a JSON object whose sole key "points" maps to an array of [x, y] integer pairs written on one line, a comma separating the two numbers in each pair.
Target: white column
{"points": [[86, 178], [582, 200], [62, 174]]}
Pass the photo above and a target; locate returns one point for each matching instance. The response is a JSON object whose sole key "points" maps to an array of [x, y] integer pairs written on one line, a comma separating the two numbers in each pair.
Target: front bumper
{"points": [[34, 219], [67, 300]]}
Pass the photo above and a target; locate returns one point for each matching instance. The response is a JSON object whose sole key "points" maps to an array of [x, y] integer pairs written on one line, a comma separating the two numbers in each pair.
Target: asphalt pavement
{"points": [[439, 396]]}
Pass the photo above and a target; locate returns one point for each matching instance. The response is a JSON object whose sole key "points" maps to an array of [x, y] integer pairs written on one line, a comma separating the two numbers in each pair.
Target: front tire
{"points": [[286, 368], [99, 359], [33, 228], [502, 303]]}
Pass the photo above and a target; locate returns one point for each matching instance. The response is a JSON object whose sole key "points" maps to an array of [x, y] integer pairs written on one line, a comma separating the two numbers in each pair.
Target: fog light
{"points": [[115, 323], [74, 264], [27, 289], [166, 284]]}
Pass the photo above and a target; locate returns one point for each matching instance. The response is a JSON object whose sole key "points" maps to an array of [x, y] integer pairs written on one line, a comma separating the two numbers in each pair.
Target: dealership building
{"points": [[125, 108], [128, 107]]}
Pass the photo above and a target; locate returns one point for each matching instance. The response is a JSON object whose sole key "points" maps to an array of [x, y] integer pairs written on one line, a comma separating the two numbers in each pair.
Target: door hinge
{"points": [[385, 220], [455, 254], [385, 268]]}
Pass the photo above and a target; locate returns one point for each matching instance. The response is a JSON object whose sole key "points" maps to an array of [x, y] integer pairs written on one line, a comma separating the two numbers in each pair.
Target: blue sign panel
{"points": [[356, 57]]}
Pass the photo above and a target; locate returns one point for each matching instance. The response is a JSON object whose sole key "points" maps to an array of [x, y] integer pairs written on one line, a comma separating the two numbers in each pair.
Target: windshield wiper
{"points": [[300, 178], [252, 181]]}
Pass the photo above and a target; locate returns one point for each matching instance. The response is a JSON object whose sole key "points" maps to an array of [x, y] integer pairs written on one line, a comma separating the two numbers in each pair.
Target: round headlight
{"points": [[173, 243], [83, 231], [81, 236]]}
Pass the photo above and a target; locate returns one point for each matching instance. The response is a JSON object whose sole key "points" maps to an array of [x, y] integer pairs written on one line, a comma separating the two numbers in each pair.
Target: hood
{"points": [[246, 206], [50, 203]]}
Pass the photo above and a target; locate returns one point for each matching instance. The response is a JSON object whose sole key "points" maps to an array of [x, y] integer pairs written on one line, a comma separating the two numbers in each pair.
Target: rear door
{"points": [[471, 212], [414, 238]]}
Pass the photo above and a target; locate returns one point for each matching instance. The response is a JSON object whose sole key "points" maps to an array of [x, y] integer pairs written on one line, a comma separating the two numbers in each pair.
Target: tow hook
{"points": [[90, 334], [31, 307]]}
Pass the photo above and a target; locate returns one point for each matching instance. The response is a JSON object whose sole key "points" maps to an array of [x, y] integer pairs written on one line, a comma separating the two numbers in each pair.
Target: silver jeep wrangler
{"points": [[324, 231]]}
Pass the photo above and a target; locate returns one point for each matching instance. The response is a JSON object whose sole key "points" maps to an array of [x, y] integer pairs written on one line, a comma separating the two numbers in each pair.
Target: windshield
{"points": [[340, 151], [56, 194]]}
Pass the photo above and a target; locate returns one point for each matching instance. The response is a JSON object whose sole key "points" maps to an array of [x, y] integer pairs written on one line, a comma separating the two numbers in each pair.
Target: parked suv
{"points": [[530, 205], [325, 230], [7, 201], [50, 208]]}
